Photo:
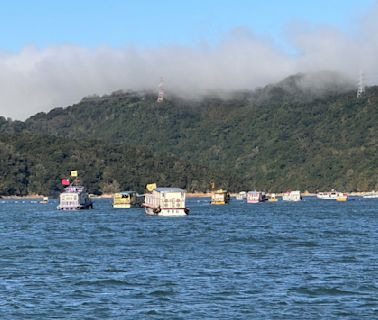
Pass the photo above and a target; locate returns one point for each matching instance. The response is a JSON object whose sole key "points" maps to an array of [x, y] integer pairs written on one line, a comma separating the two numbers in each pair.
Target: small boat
{"points": [[292, 196], [342, 197], [220, 197], [272, 197], [371, 196], [45, 200], [256, 197], [333, 195], [241, 195], [327, 195], [127, 199], [168, 202], [74, 198]]}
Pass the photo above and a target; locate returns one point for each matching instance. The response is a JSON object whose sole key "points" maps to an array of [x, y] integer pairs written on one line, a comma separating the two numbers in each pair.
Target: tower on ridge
{"points": [[160, 98], [361, 85]]}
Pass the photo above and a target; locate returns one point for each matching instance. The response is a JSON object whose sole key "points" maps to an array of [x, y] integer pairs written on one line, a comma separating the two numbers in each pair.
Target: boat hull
{"points": [[122, 206], [218, 203], [167, 212], [374, 196], [256, 201], [326, 197], [69, 208]]}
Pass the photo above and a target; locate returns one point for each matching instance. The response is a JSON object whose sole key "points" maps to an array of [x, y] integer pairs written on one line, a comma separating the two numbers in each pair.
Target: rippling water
{"points": [[314, 260]]}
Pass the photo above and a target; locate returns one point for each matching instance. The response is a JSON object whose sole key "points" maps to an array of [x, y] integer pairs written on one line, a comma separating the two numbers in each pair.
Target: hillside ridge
{"points": [[278, 137]]}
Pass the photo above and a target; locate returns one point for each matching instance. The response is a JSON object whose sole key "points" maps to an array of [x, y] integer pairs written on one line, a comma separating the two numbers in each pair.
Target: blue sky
{"points": [[55, 52], [150, 23]]}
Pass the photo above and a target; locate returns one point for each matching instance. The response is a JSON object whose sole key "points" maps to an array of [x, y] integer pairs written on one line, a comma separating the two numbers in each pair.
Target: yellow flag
{"points": [[74, 173], [151, 187]]}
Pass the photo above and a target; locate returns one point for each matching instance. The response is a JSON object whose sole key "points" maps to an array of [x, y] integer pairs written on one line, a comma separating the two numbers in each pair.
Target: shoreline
{"points": [[189, 195]]}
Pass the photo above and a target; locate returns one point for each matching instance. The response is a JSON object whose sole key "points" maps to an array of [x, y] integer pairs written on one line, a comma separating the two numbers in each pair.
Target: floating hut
{"points": [[292, 196], [74, 196], [256, 197], [168, 202], [127, 199], [220, 197]]}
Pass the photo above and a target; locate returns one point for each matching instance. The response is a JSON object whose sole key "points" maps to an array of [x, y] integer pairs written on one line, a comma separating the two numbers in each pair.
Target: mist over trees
{"points": [[290, 135]]}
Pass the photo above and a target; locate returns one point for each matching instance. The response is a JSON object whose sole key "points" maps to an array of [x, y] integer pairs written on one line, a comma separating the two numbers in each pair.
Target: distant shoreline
{"points": [[188, 195]]}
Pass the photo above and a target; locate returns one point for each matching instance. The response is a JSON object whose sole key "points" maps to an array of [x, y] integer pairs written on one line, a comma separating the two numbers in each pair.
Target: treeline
{"points": [[276, 138], [34, 164]]}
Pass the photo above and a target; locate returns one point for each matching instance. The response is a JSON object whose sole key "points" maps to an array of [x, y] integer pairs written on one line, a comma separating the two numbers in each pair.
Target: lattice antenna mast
{"points": [[361, 85], [160, 98]]}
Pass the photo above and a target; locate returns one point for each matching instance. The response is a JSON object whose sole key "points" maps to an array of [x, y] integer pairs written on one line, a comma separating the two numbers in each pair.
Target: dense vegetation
{"points": [[276, 138], [33, 164]]}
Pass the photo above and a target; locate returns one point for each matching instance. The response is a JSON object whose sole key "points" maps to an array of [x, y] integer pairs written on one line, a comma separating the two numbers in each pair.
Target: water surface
{"points": [[314, 259]]}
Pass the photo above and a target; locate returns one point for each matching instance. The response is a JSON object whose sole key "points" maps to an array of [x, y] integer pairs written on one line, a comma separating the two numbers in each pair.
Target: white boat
{"points": [[371, 196], [168, 202], [74, 198], [241, 195], [256, 197], [333, 195], [45, 200], [292, 196]]}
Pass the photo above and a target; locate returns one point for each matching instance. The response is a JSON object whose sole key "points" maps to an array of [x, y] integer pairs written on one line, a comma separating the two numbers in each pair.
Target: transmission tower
{"points": [[361, 85], [161, 91]]}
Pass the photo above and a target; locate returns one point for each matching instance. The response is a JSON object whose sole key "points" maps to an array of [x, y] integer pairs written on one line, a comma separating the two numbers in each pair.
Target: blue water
{"points": [[309, 260]]}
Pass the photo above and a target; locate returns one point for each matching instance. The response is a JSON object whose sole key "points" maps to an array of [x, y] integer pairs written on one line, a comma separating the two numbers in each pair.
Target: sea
{"points": [[314, 259]]}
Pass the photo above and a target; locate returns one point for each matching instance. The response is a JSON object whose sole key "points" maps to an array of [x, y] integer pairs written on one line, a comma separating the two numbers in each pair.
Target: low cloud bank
{"points": [[35, 80]]}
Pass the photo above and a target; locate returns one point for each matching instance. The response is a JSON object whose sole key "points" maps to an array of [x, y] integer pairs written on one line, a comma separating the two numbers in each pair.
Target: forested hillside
{"points": [[276, 138], [33, 164]]}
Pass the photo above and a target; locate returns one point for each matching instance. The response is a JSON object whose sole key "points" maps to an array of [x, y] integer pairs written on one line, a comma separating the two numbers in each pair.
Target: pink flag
{"points": [[65, 182]]}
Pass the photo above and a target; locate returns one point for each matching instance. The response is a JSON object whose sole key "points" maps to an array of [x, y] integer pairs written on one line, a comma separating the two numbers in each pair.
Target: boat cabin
{"points": [[241, 195], [45, 200], [127, 199], [166, 202], [292, 196], [272, 197], [74, 198], [220, 197], [256, 197]]}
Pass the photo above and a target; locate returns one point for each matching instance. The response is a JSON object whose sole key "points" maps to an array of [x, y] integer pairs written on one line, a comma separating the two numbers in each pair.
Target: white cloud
{"points": [[36, 80]]}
